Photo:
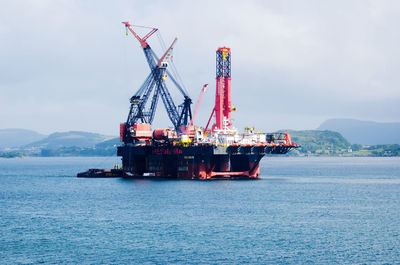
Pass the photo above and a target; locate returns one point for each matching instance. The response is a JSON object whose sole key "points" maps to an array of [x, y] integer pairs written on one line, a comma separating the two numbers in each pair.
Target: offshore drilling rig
{"points": [[187, 151]]}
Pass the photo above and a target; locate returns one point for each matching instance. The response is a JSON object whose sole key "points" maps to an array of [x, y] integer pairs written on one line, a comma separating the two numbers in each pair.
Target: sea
{"points": [[303, 210]]}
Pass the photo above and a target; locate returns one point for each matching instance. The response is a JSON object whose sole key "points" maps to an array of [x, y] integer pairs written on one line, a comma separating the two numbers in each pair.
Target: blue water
{"points": [[303, 210]]}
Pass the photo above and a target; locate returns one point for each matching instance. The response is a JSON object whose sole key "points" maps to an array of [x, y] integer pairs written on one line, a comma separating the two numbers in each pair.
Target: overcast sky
{"points": [[68, 65]]}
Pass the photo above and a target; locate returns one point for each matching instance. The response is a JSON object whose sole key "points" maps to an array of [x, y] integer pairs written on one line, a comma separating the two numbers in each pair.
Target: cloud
{"points": [[68, 64]]}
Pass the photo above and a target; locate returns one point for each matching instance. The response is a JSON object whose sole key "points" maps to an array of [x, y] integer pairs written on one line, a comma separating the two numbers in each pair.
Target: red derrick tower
{"points": [[223, 104]]}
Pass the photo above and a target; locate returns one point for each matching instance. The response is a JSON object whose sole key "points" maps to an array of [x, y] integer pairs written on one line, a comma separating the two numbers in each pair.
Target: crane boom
{"points": [[142, 41], [196, 109], [166, 55], [155, 83]]}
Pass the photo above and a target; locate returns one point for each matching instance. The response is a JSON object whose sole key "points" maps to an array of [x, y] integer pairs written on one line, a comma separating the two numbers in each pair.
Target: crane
{"points": [[155, 83], [196, 108]]}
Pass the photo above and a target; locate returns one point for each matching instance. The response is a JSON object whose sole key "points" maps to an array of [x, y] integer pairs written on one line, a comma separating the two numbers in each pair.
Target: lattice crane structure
{"points": [[138, 123]]}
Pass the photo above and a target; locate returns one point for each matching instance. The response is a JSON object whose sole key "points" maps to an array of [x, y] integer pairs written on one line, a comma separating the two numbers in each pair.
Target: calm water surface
{"points": [[303, 210]]}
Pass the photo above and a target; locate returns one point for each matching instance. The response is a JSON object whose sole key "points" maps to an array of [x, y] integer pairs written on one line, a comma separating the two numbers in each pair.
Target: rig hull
{"points": [[195, 162], [187, 151]]}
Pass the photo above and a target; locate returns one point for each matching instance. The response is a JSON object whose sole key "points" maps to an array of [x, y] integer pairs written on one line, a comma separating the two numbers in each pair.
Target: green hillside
{"points": [[330, 143], [376, 150], [320, 142]]}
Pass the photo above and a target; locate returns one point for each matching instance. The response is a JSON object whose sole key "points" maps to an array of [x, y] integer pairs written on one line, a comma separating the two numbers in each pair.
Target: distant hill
{"points": [[69, 139], [18, 137], [109, 143], [76, 143], [104, 148], [364, 132], [319, 142]]}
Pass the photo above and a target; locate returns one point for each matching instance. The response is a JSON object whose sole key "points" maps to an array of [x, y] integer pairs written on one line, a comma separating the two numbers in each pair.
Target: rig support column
{"points": [[223, 104], [219, 99], [227, 100]]}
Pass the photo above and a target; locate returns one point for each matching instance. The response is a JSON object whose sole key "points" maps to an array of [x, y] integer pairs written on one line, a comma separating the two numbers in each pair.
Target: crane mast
{"points": [[138, 124], [196, 108]]}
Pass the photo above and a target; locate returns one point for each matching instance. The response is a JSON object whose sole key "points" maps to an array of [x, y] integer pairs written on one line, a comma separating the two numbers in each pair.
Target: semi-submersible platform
{"points": [[186, 151]]}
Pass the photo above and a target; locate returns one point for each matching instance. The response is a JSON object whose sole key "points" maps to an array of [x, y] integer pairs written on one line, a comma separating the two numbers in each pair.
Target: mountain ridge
{"points": [[313, 142], [68, 139], [364, 132], [17, 137]]}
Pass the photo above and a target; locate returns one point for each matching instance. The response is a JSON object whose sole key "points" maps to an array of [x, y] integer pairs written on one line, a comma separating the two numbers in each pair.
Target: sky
{"points": [[68, 65]]}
